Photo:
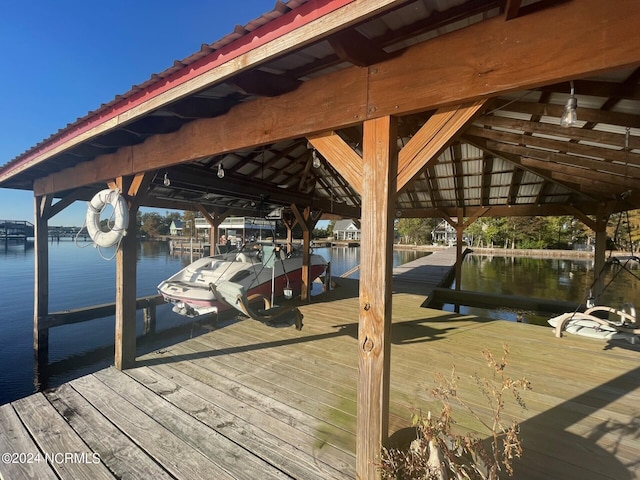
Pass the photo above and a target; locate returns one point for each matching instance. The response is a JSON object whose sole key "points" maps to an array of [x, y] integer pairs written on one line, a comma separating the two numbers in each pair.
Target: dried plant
{"points": [[439, 454]]}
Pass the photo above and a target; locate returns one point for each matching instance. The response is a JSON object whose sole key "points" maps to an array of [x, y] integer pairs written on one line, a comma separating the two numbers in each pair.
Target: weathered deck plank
{"points": [[124, 457], [15, 441], [281, 402], [55, 438], [176, 456], [267, 437]]}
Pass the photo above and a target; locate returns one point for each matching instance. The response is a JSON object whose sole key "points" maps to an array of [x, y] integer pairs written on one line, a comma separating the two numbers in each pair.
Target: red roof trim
{"points": [[290, 21]]}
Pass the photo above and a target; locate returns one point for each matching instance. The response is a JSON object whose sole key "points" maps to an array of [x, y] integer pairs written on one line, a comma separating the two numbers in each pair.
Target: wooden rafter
{"points": [[440, 131], [516, 160], [341, 157], [353, 47]]}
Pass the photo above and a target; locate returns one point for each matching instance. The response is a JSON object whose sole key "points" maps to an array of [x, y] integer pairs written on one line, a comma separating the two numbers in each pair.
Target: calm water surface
{"points": [[80, 277], [551, 278]]}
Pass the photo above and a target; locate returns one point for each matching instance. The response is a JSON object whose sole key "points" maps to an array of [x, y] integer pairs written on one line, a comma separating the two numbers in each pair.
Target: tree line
{"points": [[560, 232]]}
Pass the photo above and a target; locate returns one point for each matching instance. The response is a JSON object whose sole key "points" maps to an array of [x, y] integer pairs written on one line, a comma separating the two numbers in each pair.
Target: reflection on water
{"points": [[548, 278]]}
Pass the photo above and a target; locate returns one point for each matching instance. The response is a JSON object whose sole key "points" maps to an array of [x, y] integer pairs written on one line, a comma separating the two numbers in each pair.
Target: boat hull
{"points": [[189, 289]]}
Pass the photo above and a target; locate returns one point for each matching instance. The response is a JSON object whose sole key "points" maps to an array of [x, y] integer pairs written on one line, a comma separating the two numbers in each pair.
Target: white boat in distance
{"points": [[257, 269]]}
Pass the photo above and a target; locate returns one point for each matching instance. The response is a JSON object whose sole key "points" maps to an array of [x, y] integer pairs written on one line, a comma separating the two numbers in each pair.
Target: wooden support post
{"points": [[459, 234], [289, 222], [41, 288], [380, 165], [326, 285], [214, 219], [125, 341], [125, 337], [289, 239], [307, 222], [602, 218], [149, 318]]}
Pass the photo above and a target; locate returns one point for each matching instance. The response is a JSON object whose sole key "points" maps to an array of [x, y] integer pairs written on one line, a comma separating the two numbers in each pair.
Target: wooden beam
{"points": [[442, 128], [260, 83], [595, 176], [511, 9], [602, 217], [353, 47], [341, 157], [126, 263], [482, 144], [306, 222], [63, 203], [576, 212], [489, 62], [508, 210], [493, 52], [374, 331], [616, 140], [577, 149], [559, 158], [42, 205]]}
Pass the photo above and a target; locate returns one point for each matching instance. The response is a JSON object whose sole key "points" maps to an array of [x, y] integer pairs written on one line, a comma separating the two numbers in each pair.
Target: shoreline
{"points": [[511, 252]]}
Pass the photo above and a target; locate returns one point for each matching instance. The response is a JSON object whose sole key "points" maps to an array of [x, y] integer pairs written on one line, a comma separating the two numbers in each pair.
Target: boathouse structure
{"points": [[368, 109]]}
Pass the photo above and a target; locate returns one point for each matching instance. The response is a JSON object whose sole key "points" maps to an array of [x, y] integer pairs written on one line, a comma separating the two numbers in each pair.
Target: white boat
{"points": [[624, 326], [262, 270]]}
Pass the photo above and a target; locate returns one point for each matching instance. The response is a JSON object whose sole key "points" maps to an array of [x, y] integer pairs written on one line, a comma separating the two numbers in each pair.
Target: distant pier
{"points": [[15, 232]]}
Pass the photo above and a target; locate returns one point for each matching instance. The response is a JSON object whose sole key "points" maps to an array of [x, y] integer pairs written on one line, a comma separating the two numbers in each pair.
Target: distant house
{"points": [[445, 234], [346, 230], [175, 228]]}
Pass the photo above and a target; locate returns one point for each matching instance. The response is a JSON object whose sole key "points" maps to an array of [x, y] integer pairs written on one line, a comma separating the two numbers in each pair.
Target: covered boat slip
{"points": [[372, 110], [247, 401]]}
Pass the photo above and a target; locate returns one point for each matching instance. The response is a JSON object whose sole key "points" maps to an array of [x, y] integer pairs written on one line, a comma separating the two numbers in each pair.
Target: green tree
{"points": [[416, 230], [189, 224], [150, 224]]}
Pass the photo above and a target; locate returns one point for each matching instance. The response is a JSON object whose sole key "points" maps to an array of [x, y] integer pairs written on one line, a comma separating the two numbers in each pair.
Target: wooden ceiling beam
{"points": [[490, 56], [597, 88], [577, 149], [582, 173], [264, 84], [584, 114], [529, 210], [511, 9], [341, 157], [481, 143], [353, 47], [596, 136], [439, 131], [562, 158]]}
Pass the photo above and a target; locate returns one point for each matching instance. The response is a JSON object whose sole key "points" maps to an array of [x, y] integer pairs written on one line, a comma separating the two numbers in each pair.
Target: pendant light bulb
{"points": [[166, 180], [220, 171], [569, 116], [316, 159]]}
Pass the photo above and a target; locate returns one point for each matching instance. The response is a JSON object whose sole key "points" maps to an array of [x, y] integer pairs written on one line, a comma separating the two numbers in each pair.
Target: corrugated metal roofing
{"points": [[504, 157]]}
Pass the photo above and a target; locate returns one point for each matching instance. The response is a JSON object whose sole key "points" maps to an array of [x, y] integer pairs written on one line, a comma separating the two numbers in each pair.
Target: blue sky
{"points": [[62, 59]]}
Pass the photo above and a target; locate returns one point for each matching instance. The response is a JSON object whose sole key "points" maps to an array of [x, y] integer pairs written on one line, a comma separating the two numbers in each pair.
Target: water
{"points": [[79, 277], [551, 278]]}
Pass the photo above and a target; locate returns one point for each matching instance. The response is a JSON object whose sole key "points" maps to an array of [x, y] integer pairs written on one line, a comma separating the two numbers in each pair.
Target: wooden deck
{"points": [[424, 274], [246, 401]]}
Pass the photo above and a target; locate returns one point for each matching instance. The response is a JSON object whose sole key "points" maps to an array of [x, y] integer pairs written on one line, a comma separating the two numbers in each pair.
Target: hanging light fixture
{"points": [[220, 171], [166, 180], [569, 117], [316, 160]]}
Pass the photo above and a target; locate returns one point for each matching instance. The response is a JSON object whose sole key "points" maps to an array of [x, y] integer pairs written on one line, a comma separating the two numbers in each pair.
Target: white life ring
{"points": [[121, 215]]}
